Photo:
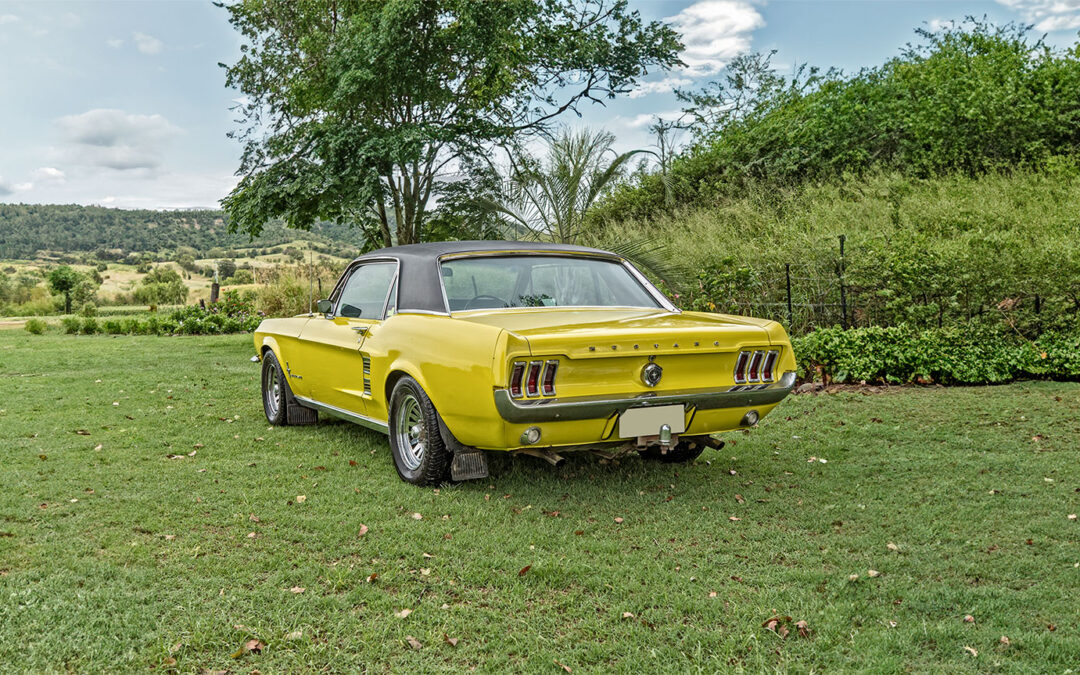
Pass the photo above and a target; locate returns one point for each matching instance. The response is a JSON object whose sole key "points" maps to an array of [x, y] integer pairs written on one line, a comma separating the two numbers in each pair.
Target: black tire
{"points": [[275, 395], [686, 450], [420, 456]]}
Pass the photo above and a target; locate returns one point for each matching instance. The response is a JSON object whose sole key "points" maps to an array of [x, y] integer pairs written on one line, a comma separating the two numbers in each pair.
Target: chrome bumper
{"points": [[525, 411]]}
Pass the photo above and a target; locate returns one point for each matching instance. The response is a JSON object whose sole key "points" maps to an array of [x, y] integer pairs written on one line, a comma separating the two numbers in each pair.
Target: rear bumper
{"points": [[585, 408]]}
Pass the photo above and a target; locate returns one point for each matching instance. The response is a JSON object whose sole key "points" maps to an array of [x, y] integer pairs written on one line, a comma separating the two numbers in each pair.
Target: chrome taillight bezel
{"points": [[547, 378], [740, 367], [756, 365], [517, 376], [753, 371], [532, 385], [768, 367]]}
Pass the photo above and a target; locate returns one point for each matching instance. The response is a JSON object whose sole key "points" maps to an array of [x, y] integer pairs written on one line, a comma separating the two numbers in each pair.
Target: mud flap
{"points": [[297, 415], [469, 463], [469, 466]]}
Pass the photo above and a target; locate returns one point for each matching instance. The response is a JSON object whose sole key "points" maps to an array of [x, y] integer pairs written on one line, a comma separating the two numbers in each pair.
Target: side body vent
{"points": [[367, 374]]}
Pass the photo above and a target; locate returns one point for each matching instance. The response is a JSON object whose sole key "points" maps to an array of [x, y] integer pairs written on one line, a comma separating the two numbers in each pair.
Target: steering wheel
{"points": [[469, 304]]}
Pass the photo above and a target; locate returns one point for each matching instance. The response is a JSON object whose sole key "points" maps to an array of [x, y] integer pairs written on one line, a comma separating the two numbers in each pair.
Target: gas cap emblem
{"points": [[651, 374]]}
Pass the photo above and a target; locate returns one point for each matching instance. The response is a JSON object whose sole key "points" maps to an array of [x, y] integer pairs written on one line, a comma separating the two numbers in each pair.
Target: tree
{"points": [[355, 107], [226, 268], [63, 280], [161, 286], [548, 199]]}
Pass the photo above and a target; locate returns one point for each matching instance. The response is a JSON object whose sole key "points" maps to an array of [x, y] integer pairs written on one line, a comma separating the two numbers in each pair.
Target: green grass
{"points": [[154, 561]]}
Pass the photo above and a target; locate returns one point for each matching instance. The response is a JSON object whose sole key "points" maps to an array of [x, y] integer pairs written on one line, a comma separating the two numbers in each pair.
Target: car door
{"points": [[337, 370]]}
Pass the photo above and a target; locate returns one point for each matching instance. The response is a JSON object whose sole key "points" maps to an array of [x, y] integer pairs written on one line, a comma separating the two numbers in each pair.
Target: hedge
{"points": [[901, 354]]}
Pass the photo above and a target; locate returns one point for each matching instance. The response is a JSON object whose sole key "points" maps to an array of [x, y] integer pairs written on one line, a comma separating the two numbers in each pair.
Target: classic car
{"points": [[458, 348]]}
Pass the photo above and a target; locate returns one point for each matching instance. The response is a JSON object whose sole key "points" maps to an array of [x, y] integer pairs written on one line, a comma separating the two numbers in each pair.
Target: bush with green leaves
{"points": [[36, 326], [70, 325], [958, 355], [89, 326], [162, 286]]}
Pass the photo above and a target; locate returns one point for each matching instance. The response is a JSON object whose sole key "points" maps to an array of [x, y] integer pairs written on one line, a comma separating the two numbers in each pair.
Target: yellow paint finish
{"points": [[461, 360]]}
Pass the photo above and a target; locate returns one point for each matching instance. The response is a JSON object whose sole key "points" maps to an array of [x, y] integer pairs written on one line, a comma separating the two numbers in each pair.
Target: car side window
{"points": [[365, 291]]}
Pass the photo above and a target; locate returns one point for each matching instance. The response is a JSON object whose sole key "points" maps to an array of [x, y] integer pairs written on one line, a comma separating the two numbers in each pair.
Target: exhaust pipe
{"points": [[552, 458]]}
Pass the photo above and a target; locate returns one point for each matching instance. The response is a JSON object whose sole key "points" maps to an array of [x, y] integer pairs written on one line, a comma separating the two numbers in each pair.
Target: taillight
{"points": [[516, 374], [767, 367], [548, 385], [755, 365], [532, 382], [740, 367]]}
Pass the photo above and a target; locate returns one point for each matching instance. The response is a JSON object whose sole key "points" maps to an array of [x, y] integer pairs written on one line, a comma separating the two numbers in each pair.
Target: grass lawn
{"points": [[114, 557]]}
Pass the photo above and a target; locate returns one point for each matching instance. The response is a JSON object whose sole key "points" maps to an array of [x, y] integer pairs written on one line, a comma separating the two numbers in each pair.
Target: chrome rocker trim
{"points": [[362, 420], [520, 411]]}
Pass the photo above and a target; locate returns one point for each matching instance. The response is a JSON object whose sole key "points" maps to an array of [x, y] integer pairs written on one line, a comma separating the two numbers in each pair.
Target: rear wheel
{"points": [[274, 397], [686, 450], [420, 456]]}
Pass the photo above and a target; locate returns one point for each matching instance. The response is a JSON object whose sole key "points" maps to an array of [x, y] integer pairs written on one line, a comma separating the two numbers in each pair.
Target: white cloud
{"points": [[1048, 15], [115, 43], [117, 140], [936, 25], [49, 173], [646, 119], [715, 31], [8, 189], [147, 44], [8, 18], [660, 86]]}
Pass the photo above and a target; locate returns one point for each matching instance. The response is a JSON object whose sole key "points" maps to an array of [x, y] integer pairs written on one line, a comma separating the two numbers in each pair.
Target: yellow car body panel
{"points": [[464, 361]]}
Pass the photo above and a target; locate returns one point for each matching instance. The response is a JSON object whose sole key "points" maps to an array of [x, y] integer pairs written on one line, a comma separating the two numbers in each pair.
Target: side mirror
{"points": [[324, 306]]}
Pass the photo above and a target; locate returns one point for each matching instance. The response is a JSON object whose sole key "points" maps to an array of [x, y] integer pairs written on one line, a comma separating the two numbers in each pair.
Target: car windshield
{"points": [[492, 282]]}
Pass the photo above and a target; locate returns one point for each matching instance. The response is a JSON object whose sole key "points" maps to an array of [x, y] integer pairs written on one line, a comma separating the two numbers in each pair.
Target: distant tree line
{"points": [[26, 229]]}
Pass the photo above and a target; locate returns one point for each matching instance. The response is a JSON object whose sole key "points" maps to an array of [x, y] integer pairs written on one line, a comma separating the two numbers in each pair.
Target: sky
{"points": [[122, 103]]}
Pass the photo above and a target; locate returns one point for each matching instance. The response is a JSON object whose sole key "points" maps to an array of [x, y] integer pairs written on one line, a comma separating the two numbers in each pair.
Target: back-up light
{"points": [[755, 366], [533, 378]]}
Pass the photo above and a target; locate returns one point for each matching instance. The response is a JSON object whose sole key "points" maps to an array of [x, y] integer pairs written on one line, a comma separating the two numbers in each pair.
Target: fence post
{"points": [[787, 276], [843, 292]]}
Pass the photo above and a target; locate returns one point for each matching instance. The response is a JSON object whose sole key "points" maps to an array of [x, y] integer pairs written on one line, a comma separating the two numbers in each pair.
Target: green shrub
{"points": [[89, 326], [958, 355], [35, 326], [89, 309], [113, 327], [70, 324]]}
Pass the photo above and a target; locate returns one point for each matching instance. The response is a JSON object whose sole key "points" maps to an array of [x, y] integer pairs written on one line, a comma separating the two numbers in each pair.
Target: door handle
{"points": [[362, 330]]}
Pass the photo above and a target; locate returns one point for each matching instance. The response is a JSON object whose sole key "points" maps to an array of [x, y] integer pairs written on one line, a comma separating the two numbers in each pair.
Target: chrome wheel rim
{"points": [[410, 432], [272, 393]]}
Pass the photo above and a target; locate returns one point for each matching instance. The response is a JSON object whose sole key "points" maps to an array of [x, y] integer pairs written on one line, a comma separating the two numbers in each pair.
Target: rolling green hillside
{"points": [[26, 229]]}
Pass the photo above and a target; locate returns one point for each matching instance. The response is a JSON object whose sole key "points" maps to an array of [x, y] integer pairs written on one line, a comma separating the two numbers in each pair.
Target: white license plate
{"points": [[647, 421]]}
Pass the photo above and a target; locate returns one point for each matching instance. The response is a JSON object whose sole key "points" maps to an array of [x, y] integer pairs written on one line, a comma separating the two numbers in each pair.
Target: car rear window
{"points": [[492, 282]]}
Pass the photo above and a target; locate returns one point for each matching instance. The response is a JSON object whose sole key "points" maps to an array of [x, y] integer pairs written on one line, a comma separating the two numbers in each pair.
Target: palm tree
{"points": [[548, 199]]}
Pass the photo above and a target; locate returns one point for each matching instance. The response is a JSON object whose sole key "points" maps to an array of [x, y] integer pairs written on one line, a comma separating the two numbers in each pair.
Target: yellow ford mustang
{"points": [[457, 348]]}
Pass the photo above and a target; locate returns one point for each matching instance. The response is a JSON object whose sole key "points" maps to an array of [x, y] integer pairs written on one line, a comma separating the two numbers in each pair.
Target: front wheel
{"points": [[275, 401], [420, 456]]}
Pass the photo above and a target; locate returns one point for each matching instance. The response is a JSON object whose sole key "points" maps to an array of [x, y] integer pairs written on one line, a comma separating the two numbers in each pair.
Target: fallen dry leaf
{"points": [[712, 594], [1004, 640], [251, 535], [403, 613], [734, 519], [524, 570], [564, 667], [969, 619], [413, 642], [853, 577], [1051, 627], [99, 446], [804, 629], [892, 624], [618, 521], [449, 640], [82, 432], [254, 646], [872, 573], [371, 577], [1071, 516], [297, 589], [971, 650], [300, 499], [363, 530], [253, 518], [295, 635], [417, 516], [892, 547], [426, 555], [198, 446], [627, 615], [739, 498]]}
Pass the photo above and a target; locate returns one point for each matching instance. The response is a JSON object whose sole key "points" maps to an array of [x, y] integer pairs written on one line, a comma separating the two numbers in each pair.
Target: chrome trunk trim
{"points": [[597, 407]]}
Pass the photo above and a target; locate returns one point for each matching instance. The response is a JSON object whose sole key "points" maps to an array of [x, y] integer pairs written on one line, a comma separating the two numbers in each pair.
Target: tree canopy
{"points": [[353, 107]]}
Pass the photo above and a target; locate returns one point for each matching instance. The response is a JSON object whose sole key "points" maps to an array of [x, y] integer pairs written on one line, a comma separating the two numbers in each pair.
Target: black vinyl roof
{"points": [[419, 279]]}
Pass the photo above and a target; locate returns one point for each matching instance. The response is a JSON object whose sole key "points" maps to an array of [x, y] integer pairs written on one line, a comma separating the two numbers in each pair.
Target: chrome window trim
{"points": [[362, 420], [536, 410], [339, 288]]}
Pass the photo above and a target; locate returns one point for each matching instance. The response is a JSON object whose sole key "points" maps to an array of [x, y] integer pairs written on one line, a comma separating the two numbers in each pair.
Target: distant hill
{"points": [[26, 229]]}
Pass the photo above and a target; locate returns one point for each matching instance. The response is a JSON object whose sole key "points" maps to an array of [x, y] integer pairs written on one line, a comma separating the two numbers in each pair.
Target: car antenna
{"points": [[310, 291]]}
